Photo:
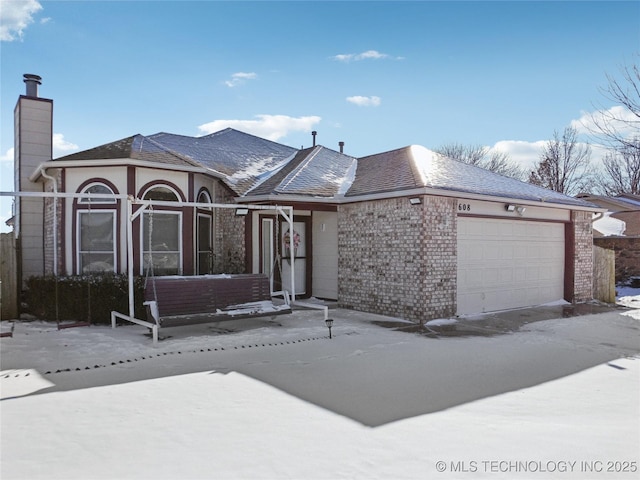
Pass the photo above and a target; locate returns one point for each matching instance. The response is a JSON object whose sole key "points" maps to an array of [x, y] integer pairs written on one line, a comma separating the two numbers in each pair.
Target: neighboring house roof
{"points": [[624, 208], [630, 198], [316, 172], [417, 167], [625, 202]]}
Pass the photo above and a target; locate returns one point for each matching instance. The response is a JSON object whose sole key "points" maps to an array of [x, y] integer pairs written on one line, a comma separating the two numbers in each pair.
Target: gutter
{"points": [[118, 162], [341, 200]]}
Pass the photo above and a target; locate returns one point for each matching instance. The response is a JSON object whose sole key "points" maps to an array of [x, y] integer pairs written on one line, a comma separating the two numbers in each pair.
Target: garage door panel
{"points": [[506, 264]]}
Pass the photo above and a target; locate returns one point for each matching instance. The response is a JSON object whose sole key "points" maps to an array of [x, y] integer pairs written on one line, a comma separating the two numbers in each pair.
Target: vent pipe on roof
{"points": [[32, 82], [313, 134], [341, 145]]}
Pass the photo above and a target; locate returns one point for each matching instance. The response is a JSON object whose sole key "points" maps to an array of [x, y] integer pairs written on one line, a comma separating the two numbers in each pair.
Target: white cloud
{"points": [[271, 127], [239, 78], [368, 55], [15, 17], [618, 118], [526, 154], [61, 146], [361, 101], [8, 156]]}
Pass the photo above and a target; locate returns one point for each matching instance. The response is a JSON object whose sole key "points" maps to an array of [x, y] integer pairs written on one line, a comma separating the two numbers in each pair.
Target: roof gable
{"points": [[316, 171]]}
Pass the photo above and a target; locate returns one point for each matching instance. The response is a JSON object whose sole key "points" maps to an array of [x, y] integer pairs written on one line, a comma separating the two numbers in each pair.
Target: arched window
{"points": [[161, 192], [95, 230], [160, 236], [204, 197], [97, 188]]}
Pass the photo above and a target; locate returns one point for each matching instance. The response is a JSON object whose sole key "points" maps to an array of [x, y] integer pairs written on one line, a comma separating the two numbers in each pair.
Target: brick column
{"points": [[398, 259], [582, 260]]}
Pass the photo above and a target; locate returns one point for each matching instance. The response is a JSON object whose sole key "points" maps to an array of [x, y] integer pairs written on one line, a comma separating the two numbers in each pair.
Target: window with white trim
{"points": [[160, 235], [95, 231]]}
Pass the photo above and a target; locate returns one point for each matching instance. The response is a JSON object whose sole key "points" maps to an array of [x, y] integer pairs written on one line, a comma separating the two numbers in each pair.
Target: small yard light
{"points": [[329, 322]]}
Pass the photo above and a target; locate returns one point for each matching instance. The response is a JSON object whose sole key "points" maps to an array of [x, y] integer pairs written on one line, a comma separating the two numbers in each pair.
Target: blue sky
{"points": [[376, 75]]}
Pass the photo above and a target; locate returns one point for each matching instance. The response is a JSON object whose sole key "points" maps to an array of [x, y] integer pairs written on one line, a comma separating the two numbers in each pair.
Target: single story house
{"points": [[407, 233]]}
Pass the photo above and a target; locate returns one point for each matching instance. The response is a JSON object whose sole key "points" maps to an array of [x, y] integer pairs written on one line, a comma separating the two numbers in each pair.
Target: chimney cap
{"points": [[32, 82], [31, 77]]}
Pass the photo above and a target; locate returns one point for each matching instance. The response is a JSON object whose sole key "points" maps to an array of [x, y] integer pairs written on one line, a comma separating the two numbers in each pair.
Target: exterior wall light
{"points": [[241, 212], [509, 207], [520, 210], [415, 201]]}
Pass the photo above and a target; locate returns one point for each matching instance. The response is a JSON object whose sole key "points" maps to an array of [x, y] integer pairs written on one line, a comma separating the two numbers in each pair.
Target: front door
{"points": [[275, 253], [301, 255]]}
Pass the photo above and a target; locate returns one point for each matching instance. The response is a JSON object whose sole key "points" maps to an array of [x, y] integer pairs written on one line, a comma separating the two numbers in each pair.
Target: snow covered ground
{"points": [[272, 400]]}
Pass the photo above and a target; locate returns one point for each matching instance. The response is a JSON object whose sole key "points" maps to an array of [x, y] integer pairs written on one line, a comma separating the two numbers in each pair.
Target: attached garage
{"points": [[508, 263]]}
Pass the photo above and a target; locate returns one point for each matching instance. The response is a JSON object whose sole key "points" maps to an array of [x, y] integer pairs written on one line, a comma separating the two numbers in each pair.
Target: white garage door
{"points": [[505, 264]]}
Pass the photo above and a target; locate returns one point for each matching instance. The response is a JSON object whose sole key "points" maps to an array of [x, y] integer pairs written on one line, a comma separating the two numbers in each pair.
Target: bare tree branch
{"points": [[564, 164], [483, 157]]}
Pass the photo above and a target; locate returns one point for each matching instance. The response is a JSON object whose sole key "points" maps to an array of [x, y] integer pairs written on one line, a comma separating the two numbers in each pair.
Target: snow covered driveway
{"points": [[283, 401]]}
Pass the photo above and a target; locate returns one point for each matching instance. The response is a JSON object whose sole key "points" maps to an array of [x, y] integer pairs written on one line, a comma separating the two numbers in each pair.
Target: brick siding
{"points": [[229, 232], [398, 259], [583, 256], [49, 242]]}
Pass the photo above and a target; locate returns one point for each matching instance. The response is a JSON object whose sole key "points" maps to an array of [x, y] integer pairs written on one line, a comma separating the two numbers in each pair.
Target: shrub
{"points": [[82, 298]]}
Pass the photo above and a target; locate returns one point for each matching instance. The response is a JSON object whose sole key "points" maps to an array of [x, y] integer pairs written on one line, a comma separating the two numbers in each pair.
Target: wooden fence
{"points": [[604, 275], [8, 277]]}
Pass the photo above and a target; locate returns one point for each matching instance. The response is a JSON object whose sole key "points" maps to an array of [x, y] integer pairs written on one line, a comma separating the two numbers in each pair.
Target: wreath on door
{"points": [[287, 244]]}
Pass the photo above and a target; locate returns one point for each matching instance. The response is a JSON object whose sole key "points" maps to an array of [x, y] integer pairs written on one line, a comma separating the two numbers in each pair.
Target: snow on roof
{"points": [[416, 166], [243, 158], [316, 171], [609, 226], [251, 165]]}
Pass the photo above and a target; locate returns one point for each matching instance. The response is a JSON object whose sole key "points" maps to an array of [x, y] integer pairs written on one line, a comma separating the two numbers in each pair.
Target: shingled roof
{"points": [[416, 167], [242, 158], [253, 166], [136, 147], [316, 172]]}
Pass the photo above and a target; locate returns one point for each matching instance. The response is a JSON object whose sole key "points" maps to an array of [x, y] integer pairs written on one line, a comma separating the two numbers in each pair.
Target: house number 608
{"points": [[464, 207]]}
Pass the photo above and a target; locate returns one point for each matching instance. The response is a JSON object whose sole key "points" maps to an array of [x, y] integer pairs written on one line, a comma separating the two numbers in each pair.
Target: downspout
{"points": [[55, 216], [597, 217]]}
